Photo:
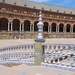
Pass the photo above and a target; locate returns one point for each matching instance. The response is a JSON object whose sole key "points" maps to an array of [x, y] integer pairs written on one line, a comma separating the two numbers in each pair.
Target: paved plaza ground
{"points": [[33, 70], [26, 41]]}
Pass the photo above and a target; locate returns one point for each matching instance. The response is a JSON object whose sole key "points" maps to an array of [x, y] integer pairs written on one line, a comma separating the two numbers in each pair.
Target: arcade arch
{"points": [[73, 28], [53, 27], [45, 27], [35, 26], [61, 26], [68, 27], [3, 24], [26, 25], [16, 25]]}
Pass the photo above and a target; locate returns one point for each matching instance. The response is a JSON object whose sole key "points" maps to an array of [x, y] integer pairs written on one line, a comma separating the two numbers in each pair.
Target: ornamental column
{"points": [[56, 28], [64, 28], [48, 28], [71, 28], [33, 27], [8, 26], [20, 27], [30, 27], [39, 52], [11, 26]]}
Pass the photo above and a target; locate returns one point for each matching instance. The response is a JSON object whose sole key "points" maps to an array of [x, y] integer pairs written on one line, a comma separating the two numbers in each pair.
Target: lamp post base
{"points": [[39, 40], [39, 51]]}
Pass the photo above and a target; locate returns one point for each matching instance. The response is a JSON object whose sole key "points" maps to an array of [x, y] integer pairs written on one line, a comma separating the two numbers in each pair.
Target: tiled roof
{"points": [[37, 5]]}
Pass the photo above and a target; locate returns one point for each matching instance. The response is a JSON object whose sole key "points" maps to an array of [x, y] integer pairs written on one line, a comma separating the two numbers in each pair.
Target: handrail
{"points": [[17, 45], [58, 44], [22, 53]]}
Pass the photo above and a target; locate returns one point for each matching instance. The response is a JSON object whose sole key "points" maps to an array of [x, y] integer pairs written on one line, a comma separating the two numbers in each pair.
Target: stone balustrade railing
{"points": [[59, 55], [56, 55], [17, 54]]}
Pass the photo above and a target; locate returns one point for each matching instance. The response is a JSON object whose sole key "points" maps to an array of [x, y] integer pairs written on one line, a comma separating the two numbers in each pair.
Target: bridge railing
{"points": [[59, 55], [23, 53]]}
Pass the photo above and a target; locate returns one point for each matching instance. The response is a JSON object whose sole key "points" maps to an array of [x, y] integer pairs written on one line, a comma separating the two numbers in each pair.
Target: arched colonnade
{"points": [[27, 25]]}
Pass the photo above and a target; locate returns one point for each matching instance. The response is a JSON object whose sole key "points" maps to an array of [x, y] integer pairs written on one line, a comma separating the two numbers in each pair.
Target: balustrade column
{"points": [[58, 54], [63, 56], [73, 57], [69, 56], [22, 27], [11, 26], [54, 54], [8, 26]]}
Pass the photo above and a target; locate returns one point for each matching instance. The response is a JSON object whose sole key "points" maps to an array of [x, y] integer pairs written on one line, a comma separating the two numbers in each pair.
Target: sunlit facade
{"points": [[18, 19]]}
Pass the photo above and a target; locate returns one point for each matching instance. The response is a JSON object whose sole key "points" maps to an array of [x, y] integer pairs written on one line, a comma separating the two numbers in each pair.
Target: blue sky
{"points": [[64, 3]]}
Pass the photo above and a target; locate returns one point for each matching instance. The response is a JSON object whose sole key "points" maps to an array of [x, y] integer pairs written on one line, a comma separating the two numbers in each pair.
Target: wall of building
{"points": [[23, 23], [40, 6]]}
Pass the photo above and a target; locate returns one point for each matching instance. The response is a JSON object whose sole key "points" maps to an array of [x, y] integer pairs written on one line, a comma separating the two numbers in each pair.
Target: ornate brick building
{"points": [[19, 18]]}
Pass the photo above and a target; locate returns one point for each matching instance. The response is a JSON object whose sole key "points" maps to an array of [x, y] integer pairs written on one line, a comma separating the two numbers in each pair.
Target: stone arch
{"points": [[53, 27], [26, 25], [68, 27], [35, 26], [15, 18], [73, 28], [16, 25], [4, 17], [3, 24], [45, 27], [61, 26]]}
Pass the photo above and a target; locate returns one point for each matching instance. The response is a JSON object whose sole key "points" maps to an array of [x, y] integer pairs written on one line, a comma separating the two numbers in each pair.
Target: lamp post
{"points": [[39, 50]]}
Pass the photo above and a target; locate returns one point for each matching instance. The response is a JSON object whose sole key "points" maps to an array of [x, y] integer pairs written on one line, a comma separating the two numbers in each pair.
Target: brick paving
{"points": [[34, 70]]}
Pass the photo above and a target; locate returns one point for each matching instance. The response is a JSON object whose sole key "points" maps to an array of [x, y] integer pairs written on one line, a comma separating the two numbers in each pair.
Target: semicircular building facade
{"points": [[19, 18]]}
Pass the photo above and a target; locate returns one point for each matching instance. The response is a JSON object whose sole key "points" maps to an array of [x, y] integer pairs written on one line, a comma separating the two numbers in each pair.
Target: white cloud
{"points": [[65, 2], [40, 0]]}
